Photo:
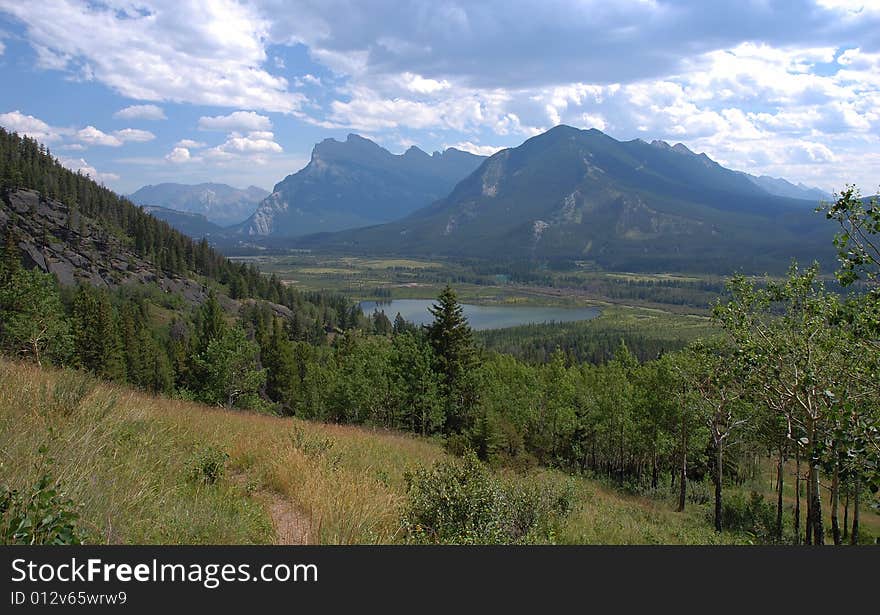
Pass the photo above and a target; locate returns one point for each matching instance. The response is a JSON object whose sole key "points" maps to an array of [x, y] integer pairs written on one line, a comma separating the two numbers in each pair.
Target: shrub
{"points": [[208, 466], [750, 514], [461, 502], [43, 515], [698, 492], [534, 506]]}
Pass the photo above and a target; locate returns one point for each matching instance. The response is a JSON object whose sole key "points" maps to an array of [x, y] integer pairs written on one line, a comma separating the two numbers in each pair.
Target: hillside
{"points": [[77, 249], [221, 204], [133, 462], [580, 195], [190, 224], [356, 183]]}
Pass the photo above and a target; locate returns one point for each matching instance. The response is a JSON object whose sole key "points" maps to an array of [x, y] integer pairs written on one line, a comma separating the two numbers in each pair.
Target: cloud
{"points": [[205, 53], [134, 134], [92, 136], [237, 121], [190, 143], [258, 142], [80, 165], [29, 125], [420, 85], [141, 112], [498, 43], [178, 155], [2, 48], [762, 86], [473, 148]]}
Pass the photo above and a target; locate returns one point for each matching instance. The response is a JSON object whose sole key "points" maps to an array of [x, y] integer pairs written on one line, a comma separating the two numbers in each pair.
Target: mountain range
{"points": [[356, 183], [220, 204], [783, 187], [190, 224], [580, 195]]}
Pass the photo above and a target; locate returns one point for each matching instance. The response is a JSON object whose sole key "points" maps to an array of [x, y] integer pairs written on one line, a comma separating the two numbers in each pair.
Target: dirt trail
{"points": [[292, 525]]}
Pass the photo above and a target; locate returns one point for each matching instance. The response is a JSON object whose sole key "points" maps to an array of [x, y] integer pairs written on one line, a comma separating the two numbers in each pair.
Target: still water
{"points": [[481, 316]]}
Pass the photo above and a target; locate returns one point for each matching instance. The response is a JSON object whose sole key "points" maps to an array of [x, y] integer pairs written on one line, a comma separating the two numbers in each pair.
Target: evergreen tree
{"points": [[452, 340], [96, 337], [210, 322], [381, 324], [277, 357]]}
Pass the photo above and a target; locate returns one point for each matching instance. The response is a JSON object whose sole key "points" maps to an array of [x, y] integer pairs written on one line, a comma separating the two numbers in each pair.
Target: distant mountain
{"points": [[221, 204], [192, 225], [782, 187], [580, 195], [356, 183]]}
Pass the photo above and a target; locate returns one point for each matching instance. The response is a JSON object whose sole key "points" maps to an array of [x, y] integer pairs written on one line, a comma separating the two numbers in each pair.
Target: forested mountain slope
{"points": [[580, 195]]}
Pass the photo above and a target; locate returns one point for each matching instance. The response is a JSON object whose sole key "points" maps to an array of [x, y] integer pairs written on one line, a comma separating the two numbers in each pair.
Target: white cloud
{"points": [[190, 143], [238, 121], [473, 148], [92, 136], [29, 125], [309, 79], [594, 120], [178, 155], [206, 53], [134, 134], [420, 85], [2, 48], [141, 112], [252, 143], [80, 165]]}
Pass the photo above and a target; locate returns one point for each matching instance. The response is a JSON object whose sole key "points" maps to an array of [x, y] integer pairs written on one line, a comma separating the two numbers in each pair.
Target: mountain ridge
{"points": [[354, 183], [221, 204], [571, 194]]}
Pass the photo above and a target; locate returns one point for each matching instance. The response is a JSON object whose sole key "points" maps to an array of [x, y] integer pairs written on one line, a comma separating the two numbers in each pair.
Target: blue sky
{"points": [[137, 92]]}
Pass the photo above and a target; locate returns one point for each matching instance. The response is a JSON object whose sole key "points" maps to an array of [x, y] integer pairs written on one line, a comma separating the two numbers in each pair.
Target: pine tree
{"points": [[452, 340], [278, 359], [210, 322], [96, 335]]}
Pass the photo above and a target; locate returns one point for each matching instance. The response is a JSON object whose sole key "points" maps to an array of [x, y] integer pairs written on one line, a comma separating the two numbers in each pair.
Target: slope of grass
{"points": [[127, 458], [132, 463]]}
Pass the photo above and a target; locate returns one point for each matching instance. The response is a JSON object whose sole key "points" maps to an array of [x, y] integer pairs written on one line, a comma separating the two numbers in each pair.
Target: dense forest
{"points": [[795, 374]]}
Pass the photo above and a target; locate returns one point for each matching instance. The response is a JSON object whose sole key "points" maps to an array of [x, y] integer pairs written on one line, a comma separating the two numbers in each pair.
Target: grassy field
{"points": [[132, 464], [367, 278]]}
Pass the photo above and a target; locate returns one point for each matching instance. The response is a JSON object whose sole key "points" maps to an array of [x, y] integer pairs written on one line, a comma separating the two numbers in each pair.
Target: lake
{"points": [[481, 316]]}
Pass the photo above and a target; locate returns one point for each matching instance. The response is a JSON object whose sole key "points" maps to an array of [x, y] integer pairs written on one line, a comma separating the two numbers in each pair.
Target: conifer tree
{"points": [[96, 336], [452, 340]]}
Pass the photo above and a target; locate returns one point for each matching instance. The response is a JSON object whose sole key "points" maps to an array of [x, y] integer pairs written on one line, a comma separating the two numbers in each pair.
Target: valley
{"points": [[562, 399], [344, 306]]}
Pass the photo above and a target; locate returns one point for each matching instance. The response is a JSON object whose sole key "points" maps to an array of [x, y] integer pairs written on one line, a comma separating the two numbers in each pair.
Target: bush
{"points": [[698, 492], [461, 502], [208, 466], [749, 514], [40, 516]]}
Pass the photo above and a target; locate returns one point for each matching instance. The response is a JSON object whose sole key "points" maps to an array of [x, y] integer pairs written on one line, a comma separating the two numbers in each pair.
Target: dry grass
{"points": [[127, 458]]}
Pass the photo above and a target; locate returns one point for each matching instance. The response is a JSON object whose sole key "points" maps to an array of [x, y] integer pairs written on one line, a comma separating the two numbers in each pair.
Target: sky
{"points": [[137, 92]]}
